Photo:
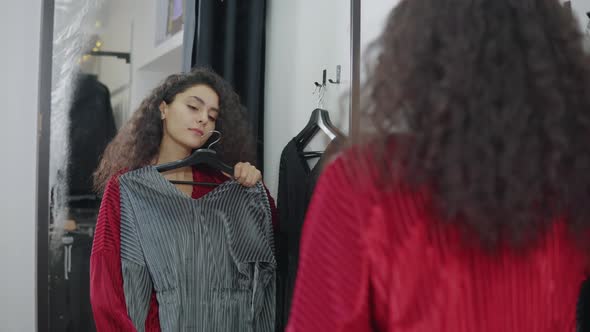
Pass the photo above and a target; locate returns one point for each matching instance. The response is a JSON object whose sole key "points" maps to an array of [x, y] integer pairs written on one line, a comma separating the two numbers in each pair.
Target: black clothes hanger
{"points": [[199, 157], [312, 154], [319, 119]]}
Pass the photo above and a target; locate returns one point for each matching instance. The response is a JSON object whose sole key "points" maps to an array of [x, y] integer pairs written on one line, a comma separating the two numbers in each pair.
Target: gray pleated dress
{"points": [[210, 260]]}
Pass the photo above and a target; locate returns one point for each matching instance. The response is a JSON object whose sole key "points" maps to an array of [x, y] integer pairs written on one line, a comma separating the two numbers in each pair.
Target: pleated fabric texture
{"points": [[385, 260], [210, 260]]}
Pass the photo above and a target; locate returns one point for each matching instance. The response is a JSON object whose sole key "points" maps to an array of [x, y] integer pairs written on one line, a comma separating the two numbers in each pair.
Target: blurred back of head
{"points": [[489, 104]]}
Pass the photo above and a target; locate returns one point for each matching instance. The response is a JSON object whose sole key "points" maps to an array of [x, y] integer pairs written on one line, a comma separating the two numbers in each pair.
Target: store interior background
{"points": [[21, 29]]}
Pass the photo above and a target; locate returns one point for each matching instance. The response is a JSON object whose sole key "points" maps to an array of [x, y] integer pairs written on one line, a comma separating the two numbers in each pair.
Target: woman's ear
{"points": [[163, 110]]}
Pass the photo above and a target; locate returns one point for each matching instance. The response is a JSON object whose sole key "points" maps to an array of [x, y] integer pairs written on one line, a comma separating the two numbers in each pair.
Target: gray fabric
{"points": [[210, 260]]}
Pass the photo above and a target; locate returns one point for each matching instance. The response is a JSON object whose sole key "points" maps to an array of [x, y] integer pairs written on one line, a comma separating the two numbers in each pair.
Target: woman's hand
{"points": [[246, 174]]}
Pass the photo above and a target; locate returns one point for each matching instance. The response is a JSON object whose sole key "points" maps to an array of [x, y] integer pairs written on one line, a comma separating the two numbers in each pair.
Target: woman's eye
{"points": [[193, 107], [212, 118]]}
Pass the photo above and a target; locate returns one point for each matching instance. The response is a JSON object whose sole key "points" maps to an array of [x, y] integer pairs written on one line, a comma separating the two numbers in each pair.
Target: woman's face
{"points": [[190, 118]]}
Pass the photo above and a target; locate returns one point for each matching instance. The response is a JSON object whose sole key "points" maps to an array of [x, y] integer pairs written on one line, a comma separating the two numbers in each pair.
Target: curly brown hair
{"points": [[494, 100], [138, 142]]}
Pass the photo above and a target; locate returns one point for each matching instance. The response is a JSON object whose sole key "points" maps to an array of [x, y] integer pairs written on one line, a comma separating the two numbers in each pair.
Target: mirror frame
{"points": [[43, 136], [355, 63]]}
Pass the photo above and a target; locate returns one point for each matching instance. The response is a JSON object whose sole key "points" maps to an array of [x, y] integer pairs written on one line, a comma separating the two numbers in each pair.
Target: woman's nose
{"points": [[202, 116]]}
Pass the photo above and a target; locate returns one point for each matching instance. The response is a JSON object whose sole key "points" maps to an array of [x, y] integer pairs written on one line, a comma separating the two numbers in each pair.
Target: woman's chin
{"points": [[193, 142], [195, 145]]}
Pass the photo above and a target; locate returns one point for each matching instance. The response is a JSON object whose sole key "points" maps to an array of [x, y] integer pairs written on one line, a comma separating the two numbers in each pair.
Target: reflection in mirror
{"points": [[90, 100], [292, 70]]}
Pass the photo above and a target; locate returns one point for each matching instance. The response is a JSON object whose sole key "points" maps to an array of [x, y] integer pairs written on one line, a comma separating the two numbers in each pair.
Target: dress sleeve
{"points": [[106, 280], [332, 288], [273, 210]]}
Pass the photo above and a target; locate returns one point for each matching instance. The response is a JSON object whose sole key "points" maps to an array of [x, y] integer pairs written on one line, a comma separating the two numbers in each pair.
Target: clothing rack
{"points": [[120, 55]]}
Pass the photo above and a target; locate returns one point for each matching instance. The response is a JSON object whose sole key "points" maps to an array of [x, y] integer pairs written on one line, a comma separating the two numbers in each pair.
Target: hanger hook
{"points": [[318, 89], [218, 139], [321, 95]]}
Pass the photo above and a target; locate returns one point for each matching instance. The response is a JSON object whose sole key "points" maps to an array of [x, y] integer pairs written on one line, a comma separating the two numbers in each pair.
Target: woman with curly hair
{"points": [[465, 206], [178, 117]]}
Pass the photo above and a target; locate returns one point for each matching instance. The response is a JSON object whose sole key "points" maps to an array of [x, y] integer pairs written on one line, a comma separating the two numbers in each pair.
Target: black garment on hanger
{"points": [[583, 310], [296, 184], [69, 285], [92, 126]]}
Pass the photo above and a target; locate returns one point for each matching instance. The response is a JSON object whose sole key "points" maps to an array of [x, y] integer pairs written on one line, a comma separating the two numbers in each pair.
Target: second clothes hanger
{"points": [[319, 120]]}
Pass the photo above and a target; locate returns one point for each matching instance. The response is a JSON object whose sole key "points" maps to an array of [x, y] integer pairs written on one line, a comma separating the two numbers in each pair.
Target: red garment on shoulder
{"points": [[106, 279], [382, 260]]}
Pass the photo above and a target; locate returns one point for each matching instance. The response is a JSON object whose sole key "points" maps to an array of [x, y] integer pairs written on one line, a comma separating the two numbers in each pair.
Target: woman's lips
{"points": [[197, 131]]}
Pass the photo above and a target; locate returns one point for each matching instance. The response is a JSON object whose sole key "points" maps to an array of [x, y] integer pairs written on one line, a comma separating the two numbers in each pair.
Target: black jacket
{"points": [[92, 126]]}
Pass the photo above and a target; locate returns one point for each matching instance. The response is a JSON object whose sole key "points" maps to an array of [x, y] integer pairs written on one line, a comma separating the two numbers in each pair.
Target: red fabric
{"points": [[376, 260], [106, 280]]}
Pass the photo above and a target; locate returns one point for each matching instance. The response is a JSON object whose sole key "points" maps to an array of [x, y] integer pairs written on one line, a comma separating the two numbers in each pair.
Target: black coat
{"points": [[92, 126]]}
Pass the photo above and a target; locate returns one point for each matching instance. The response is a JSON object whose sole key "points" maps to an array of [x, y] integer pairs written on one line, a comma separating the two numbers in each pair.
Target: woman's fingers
{"points": [[247, 174]]}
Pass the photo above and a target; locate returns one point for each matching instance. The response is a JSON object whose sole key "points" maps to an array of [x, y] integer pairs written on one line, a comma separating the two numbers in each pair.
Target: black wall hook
{"points": [[324, 73], [338, 70]]}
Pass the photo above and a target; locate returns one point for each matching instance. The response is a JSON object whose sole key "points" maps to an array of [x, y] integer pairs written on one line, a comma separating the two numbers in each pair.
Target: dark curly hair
{"points": [[138, 142], [492, 98]]}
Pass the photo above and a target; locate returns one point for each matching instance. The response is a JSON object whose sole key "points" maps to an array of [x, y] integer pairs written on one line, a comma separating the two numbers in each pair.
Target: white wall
{"points": [[151, 62], [303, 38], [116, 36], [130, 26], [20, 30], [581, 7], [115, 73]]}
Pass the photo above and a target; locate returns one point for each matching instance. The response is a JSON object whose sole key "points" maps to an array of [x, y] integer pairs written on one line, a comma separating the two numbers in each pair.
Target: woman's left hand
{"points": [[246, 174]]}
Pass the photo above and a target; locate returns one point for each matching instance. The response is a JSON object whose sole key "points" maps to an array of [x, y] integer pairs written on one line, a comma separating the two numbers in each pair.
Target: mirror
{"points": [[91, 80], [292, 65]]}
